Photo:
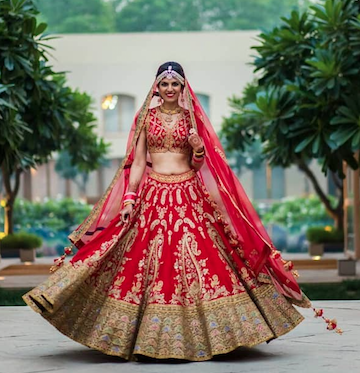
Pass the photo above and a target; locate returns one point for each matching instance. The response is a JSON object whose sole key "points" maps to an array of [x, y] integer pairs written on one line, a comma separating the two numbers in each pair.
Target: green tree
{"points": [[39, 113], [77, 16], [195, 15], [307, 104]]}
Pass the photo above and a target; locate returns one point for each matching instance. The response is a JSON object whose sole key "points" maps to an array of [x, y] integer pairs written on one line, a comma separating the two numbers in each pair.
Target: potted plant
{"points": [[323, 239], [23, 243]]}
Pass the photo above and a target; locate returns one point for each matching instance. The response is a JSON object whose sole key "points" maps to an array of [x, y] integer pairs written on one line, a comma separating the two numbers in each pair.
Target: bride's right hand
{"points": [[126, 213]]}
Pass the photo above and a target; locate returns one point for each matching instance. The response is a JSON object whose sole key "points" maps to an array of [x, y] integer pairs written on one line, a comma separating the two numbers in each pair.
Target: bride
{"points": [[173, 261]]}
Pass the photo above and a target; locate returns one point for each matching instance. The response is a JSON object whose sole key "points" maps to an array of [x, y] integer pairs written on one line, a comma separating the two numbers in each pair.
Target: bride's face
{"points": [[169, 90]]}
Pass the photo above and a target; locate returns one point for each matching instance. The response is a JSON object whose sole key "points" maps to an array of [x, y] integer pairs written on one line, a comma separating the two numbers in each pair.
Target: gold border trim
{"points": [[172, 178]]}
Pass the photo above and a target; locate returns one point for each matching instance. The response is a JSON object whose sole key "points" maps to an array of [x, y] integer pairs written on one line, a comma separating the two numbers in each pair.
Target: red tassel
{"points": [[331, 324]]}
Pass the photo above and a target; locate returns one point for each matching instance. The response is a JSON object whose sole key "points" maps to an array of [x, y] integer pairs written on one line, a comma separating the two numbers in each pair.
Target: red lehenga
{"points": [[192, 275]]}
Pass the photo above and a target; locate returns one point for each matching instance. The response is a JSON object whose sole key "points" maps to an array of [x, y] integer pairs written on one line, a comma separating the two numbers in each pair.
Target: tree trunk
{"points": [[10, 196], [9, 221], [67, 188], [336, 213]]}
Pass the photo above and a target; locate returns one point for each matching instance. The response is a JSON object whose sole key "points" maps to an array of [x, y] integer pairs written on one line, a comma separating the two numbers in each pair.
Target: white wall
{"points": [[216, 64]]}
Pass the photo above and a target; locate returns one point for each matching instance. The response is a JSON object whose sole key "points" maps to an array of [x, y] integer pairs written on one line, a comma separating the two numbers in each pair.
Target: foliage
{"points": [[40, 114], [345, 290], [52, 220], [21, 240], [162, 15], [326, 234], [55, 215], [307, 103], [77, 16], [296, 211]]}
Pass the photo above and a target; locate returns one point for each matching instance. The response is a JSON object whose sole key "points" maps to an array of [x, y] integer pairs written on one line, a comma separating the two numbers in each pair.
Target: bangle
{"points": [[198, 159], [200, 153], [128, 203], [130, 193]]}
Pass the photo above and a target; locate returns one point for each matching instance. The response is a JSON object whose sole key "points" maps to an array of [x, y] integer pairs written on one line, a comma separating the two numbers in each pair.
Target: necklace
{"points": [[169, 113]]}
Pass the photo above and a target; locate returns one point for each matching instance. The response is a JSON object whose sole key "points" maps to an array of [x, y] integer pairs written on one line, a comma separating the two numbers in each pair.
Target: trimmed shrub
{"points": [[324, 235], [21, 240]]}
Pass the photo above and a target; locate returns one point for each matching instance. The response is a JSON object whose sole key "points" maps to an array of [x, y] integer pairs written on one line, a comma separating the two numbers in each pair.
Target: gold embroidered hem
{"points": [[195, 332]]}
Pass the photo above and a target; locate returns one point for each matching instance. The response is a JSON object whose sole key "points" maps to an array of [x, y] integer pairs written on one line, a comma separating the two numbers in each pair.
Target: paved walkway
{"points": [[28, 344]]}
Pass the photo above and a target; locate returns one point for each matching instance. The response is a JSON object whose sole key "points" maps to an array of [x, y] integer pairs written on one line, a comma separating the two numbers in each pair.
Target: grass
{"points": [[12, 297], [345, 290]]}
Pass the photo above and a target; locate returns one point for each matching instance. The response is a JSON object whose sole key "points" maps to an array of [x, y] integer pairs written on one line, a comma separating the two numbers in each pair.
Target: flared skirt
{"points": [[165, 285]]}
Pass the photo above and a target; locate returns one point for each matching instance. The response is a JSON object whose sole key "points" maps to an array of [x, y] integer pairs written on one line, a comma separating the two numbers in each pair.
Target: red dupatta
{"points": [[220, 181]]}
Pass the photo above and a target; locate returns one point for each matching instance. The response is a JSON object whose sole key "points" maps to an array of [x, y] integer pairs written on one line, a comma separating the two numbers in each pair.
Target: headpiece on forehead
{"points": [[253, 246], [170, 74]]}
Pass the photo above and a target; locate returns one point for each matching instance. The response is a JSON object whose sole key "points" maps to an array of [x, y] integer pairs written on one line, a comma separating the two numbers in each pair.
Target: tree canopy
{"points": [[39, 113], [81, 16], [307, 104]]}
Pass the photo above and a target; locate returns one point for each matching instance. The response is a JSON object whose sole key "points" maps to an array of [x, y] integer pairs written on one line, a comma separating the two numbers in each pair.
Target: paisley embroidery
{"points": [[173, 279]]}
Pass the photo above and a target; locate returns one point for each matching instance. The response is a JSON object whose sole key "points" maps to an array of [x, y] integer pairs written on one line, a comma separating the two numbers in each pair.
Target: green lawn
{"points": [[12, 297], [345, 290]]}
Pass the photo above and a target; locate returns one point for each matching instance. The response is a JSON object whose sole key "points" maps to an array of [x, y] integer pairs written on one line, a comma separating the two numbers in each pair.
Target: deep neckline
{"points": [[180, 117]]}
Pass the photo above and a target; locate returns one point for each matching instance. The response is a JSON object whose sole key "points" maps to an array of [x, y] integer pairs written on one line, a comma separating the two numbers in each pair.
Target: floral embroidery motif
{"points": [[172, 284]]}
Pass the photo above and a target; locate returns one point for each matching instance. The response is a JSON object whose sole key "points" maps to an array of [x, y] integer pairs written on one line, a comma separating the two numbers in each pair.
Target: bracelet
{"points": [[130, 193], [198, 159], [200, 153], [128, 203]]}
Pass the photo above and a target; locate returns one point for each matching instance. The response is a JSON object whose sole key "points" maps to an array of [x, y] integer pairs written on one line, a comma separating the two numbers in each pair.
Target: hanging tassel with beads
{"points": [[60, 261], [331, 324]]}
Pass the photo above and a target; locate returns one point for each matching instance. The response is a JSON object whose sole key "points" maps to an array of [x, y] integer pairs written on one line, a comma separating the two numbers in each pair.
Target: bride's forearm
{"points": [[136, 174]]}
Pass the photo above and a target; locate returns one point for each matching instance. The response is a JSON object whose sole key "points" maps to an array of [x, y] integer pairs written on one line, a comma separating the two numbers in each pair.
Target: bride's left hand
{"points": [[195, 141]]}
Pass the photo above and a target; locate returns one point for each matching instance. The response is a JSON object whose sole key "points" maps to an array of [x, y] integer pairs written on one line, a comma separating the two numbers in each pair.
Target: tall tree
{"points": [[194, 15], [308, 103], [39, 113], [77, 16]]}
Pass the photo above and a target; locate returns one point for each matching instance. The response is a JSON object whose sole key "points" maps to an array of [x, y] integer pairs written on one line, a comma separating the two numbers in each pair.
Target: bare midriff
{"points": [[170, 163]]}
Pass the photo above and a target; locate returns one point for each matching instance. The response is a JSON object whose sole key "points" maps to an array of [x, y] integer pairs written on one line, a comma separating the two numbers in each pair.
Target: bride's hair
{"points": [[175, 66]]}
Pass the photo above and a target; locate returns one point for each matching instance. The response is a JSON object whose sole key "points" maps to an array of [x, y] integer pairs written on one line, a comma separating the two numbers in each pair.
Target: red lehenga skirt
{"points": [[166, 286]]}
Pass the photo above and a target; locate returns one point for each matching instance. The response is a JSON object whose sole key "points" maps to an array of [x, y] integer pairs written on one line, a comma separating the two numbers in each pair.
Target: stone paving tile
{"points": [[28, 344]]}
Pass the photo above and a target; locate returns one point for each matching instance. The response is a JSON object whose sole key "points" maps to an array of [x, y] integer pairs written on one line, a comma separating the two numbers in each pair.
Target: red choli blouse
{"points": [[162, 138]]}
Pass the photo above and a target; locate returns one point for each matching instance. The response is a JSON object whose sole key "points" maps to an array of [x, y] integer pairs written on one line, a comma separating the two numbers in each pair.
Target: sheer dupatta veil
{"points": [[220, 181]]}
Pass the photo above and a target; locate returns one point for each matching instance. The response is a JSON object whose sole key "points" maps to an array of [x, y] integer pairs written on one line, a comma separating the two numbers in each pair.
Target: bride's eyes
{"points": [[164, 85]]}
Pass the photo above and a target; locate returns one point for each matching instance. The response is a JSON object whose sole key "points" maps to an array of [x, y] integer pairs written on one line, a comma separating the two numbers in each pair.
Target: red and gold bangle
{"points": [[129, 198], [198, 159]]}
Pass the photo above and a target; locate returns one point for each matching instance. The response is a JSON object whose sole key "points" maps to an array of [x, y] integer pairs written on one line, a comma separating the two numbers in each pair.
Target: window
{"points": [[204, 102], [268, 183], [119, 111]]}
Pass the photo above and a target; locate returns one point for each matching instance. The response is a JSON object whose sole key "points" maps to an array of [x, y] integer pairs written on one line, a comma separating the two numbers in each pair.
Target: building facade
{"points": [[117, 70]]}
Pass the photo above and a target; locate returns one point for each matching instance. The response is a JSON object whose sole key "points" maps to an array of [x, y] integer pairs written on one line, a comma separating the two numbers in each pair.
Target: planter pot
{"points": [[316, 249], [27, 255], [346, 267]]}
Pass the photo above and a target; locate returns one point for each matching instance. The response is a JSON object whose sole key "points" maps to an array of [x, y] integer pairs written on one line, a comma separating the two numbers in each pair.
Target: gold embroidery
{"points": [[149, 193], [154, 224], [178, 197], [172, 178]]}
